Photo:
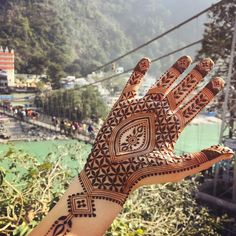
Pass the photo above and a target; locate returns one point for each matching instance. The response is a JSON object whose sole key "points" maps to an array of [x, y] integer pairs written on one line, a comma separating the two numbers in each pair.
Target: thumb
{"points": [[208, 157], [218, 153]]}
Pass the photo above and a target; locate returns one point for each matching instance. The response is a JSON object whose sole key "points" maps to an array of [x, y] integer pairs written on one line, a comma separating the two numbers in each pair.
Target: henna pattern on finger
{"points": [[170, 76], [199, 101], [130, 90], [189, 83], [135, 143]]}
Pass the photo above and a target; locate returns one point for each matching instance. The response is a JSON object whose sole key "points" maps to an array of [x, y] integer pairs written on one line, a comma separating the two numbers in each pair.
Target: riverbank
{"points": [[16, 130], [36, 129], [195, 137]]}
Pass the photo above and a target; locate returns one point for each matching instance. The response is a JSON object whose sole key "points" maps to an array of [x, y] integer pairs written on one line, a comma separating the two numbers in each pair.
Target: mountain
{"points": [[59, 37]]}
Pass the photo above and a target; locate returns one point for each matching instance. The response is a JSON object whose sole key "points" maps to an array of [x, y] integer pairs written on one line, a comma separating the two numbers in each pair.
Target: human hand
{"points": [[136, 143], [135, 146]]}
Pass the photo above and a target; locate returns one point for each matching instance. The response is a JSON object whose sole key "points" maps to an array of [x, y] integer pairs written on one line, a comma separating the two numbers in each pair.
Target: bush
{"points": [[165, 209], [30, 188]]}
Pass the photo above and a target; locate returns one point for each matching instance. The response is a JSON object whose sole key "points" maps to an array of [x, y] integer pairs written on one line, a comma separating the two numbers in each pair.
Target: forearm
{"points": [[135, 147], [95, 222]]}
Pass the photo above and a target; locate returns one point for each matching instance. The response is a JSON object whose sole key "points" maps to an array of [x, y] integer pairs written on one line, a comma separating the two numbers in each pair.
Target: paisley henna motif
{"points": [[136, 142]]}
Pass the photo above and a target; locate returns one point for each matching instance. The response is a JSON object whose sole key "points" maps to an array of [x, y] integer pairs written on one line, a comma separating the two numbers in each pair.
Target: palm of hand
{"points": [[135, 145]]}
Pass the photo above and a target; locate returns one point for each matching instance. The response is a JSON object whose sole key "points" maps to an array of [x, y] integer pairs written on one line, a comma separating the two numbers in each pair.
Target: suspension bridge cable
{"points": [[128, 70], [159, 36]]}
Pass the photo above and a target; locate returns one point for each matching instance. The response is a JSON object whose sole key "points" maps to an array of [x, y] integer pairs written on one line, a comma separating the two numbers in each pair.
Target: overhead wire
{"points": [[128, 70], [159, 36], [147, 43]]}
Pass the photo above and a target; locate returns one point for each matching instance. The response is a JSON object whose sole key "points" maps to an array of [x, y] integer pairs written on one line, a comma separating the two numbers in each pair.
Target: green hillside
{"points": [[52, 36], [59, 37]]}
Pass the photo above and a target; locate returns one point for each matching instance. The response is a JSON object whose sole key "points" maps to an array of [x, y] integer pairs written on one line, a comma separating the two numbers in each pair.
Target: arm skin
{"points": [[106, 212], [135, 147]]}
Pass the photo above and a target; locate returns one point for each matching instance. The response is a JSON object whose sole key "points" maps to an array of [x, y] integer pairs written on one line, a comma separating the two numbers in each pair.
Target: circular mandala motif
{"points": [[133, 140]]}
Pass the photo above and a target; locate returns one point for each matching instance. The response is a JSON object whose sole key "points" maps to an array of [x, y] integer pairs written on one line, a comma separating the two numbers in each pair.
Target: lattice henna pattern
{"points": [[137, 140], [80, 204]]}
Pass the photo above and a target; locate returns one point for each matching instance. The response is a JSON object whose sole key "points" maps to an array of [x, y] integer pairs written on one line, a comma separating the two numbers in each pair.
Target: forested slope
{"points": [[73, 37]]}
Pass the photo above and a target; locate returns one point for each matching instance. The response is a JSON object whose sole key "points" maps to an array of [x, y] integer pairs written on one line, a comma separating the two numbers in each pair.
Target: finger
{"points": [[172, 168], [195, 162], [199, 101], [189, 83], [171, 75], [130, 89]]}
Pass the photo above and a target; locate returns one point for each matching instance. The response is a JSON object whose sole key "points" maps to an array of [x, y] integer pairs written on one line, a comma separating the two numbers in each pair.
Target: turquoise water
{"points": [[42, 148], [194, 138], [71, 154]]}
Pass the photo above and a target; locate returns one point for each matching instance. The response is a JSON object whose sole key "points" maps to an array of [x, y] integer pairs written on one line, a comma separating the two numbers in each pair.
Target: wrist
{"points": [[79, 213], [108, 194]]}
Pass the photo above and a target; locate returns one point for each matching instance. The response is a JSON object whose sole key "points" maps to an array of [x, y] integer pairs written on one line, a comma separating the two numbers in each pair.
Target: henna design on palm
{"points": [[136, 143]]}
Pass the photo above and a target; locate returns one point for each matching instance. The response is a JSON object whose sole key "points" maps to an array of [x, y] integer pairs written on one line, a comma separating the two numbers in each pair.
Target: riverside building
{"points": [[7, 65]]}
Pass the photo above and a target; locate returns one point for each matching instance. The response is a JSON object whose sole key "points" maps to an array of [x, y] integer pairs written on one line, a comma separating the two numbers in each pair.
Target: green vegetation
{"points": [[30, 187], [217, 45], [218, 36], [167, 209], [73, 104], [59, 37]]}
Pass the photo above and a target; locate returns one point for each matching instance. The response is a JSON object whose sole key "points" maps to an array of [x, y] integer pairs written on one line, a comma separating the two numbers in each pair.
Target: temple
{"points": [[7, 65]]}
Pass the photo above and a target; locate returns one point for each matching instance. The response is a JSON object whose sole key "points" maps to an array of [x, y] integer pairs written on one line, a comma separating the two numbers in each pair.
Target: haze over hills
{"points": [[73, 37], [180, 10], [143, 20]]}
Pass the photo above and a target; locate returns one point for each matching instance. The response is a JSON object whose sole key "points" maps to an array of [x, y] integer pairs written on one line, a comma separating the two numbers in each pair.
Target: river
{"points": [[194, 138]]}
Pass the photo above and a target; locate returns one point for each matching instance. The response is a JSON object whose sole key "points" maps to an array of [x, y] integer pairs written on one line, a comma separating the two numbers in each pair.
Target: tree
{"points": [[55, 73], [73, 69], [217, 38], [76, 104], [216, 44]]}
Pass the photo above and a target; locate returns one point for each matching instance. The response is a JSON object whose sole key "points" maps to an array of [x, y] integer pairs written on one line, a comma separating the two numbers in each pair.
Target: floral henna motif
{"points": [[137, 140], [133, 136]]}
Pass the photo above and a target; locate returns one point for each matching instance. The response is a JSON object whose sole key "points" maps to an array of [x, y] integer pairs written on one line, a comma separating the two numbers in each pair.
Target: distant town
{"points": [[17, 88]]}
